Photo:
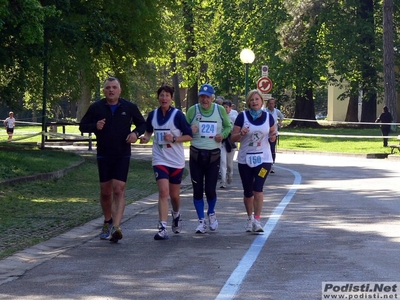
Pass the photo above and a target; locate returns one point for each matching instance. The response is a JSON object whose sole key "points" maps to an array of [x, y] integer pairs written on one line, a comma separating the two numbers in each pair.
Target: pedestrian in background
{"points": [[278, 117], [219, 100], [385, 117], [255, 129], [210, 125], [10, 125], [170, 130], [111, 119], [233, 113], [228, 150]]}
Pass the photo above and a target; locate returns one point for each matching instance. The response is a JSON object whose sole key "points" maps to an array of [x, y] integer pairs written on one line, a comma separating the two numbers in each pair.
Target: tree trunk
{"points": [[368, 111], [34, 112], [368, 71], [190, 53], [192, 95], [84, 101], [388, 59], [175, 82], [352, 110], [72, 109], [304, 109]]}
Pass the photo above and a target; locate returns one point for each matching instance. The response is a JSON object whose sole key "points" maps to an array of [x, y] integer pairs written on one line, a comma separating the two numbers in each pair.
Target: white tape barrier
{"points": [[340, 122], [338, 135], [26, 135]]}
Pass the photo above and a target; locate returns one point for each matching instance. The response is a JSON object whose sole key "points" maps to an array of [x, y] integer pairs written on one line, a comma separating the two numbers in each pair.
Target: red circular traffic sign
{"points": [[264, 84]]}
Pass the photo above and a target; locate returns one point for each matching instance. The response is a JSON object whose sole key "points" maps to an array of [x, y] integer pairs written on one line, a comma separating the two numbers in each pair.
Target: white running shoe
{"points": [[249, 224], [212, 218], [176, 223], [202, 227], [257, 226], [162, 233], [272, 169]]}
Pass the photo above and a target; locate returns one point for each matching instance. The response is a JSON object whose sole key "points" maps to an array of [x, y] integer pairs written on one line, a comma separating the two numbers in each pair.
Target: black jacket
{"points": [[111, 140], [385, 117]]}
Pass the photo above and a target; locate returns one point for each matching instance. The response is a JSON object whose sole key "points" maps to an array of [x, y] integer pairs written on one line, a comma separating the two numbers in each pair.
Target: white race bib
{"points": [[208, 128], [159, 136], [254, 159]]}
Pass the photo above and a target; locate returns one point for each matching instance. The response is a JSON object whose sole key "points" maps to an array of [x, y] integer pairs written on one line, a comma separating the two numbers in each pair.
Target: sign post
{"points": [[264, 71], [264, 84]]}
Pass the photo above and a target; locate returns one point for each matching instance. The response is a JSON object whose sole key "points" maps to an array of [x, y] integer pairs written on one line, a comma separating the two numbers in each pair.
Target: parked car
{"points": [[320, 116]]}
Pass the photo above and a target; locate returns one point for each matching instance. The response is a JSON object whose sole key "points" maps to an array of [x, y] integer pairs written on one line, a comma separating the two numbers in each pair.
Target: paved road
{"points": [[330, 218]]}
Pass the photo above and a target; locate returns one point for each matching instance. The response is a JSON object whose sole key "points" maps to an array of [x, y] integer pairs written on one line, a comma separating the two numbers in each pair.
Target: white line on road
{"points": [[233, 283]]}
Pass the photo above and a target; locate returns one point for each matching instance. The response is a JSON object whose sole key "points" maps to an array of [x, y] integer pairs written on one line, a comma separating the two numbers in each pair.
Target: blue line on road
{"points": [[233, 283]]}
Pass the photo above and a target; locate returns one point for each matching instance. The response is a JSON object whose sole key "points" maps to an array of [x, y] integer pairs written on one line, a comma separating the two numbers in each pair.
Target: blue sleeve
{"points": [[239, 120], [182, 124], [149, 127]]}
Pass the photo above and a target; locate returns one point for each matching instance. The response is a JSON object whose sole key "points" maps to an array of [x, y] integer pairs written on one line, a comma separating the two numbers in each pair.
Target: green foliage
{"points": [[86, 40], [331, 139], [306, 45]]}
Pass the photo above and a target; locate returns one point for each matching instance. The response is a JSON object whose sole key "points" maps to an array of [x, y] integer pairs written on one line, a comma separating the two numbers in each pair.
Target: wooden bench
{"points": [[393, 147], [53, 129]]}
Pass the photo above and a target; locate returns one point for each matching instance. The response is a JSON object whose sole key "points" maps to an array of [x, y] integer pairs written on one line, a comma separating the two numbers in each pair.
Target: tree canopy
{"points": [[306, 44]]}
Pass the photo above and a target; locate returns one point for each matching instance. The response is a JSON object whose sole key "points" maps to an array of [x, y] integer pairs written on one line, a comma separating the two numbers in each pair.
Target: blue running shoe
{"points": [[105, 233]]}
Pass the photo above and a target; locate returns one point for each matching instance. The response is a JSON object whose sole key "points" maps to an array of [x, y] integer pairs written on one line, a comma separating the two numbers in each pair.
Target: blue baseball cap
{"points": [[206, 89]]}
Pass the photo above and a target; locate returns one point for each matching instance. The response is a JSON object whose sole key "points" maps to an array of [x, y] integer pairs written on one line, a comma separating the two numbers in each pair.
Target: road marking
{"points": [[233, 283]]}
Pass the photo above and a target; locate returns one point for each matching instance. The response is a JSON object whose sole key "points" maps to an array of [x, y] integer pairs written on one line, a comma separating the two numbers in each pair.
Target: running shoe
{"points": [[202, 227], [176, 223], [222, 185], [212, 218], [249, 224], [162, 233], [272, 169], [116, 234], [105, 233], [257, 226], [229, 179]]}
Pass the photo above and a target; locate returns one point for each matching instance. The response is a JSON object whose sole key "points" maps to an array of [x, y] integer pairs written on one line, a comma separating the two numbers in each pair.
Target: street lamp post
{"points": [[247, 57]]}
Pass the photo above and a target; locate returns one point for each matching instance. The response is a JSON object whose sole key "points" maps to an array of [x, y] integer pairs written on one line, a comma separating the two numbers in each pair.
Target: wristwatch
{"points": [[173, 140]]}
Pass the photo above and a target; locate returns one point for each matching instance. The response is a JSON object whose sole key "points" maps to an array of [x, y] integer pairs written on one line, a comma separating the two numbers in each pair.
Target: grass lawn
{"points": [[343, 140]]}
